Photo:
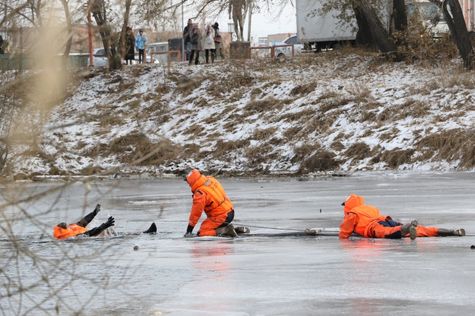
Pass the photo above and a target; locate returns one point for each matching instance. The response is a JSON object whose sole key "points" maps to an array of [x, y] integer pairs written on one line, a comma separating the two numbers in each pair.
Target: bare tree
{"points": [[125, 24], [69, 27], [370, 27], [10, 11], [37, 273], [99, 12], [400, 15], [158, 12], [454, 17], [6, 115]]}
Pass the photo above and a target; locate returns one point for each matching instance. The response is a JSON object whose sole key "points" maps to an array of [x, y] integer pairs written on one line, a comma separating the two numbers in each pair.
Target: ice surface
{"points": [[171, 275]]}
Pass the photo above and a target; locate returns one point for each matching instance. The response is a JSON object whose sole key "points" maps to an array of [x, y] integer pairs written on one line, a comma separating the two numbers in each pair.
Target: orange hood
{"points": [[195, 179], [353, 201]]}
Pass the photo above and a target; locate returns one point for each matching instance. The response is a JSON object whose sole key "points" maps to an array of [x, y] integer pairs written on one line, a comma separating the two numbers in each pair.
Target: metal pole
{"points": [[89, 36], [21, 49], [464, 6], [182, 28], [249, 24]]}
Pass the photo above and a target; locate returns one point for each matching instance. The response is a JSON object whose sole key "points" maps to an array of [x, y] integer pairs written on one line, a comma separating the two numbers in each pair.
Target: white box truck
{"points": [[317, 30]]}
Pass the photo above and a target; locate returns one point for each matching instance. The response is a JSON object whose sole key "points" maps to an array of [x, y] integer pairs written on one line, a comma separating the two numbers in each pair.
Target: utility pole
{"points": [[89, 35], [183, 57], [249, 23]]}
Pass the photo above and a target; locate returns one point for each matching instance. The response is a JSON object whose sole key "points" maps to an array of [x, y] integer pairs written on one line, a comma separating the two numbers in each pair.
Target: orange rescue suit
{"points": [[359, 218], [364, 220], [208, 196], [71, 231]]}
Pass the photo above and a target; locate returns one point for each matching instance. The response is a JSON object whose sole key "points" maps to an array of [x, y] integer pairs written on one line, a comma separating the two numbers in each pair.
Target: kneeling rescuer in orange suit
{"points": [[367, 221], [209, 196]]}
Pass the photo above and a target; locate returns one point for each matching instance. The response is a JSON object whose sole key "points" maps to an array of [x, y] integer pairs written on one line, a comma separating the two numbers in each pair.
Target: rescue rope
{"points": [[267, 227]]}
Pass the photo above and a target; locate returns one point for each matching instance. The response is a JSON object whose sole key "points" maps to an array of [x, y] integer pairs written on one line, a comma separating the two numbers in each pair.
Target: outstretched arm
{"points": [[97, 230], [347, 226], [199, 202], [83, 222]]}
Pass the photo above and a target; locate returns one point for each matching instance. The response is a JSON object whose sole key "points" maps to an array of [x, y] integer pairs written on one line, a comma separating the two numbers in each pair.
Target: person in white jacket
{"points": [[209, 46]]}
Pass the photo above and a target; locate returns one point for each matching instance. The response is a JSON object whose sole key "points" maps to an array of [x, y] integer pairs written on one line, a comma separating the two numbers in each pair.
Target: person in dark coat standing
{"points": [[187, 32], [195, 45], [1, 45], [129, 46], [217, 41]]}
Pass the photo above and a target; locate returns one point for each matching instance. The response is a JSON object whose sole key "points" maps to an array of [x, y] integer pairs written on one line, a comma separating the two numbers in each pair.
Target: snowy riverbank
{"points": [[327, 113]]}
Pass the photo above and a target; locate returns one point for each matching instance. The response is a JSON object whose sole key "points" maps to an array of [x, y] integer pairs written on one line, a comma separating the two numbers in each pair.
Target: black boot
{"points": [[226, 231], [451, 232], [242, 230], [151, 230]]}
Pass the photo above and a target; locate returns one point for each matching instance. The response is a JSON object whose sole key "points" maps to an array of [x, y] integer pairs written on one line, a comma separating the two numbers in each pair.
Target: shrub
{"points": [[137, 149], [323, 160], [260, 106], [303, 89], [396, 157], [451, 145], [223, 148], [264, 134], [358, 151]]}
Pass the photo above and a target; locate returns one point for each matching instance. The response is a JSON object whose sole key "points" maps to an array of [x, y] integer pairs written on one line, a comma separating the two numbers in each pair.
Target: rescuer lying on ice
{"points": [[64, 231], [367, 221], [209, 195]]}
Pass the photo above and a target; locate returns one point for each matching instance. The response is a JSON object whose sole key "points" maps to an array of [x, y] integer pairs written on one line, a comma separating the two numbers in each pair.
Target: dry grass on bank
{"points": [[455, 144], [137, 149], [322, 160], [358, 151]]}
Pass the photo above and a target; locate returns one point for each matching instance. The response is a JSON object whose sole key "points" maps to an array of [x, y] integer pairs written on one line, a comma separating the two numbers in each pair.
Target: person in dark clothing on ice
{"points": [[64, 231]]}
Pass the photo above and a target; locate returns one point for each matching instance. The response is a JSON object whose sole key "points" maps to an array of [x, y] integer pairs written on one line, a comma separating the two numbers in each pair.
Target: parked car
{"points": [[157, 50], [294, 40], [99, 58], [286, 52]]}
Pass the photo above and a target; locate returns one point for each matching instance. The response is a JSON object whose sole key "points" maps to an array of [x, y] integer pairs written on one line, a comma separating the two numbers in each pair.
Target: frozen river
{"points": [[171, 275]]}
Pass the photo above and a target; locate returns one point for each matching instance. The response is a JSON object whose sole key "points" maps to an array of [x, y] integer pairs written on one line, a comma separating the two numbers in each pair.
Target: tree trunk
{"points": [[37, 11], [400, 16], [69, 26], [366, 16], [8, 16], [454, 17], [98, 10], [363, 36], [123, 32]]}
